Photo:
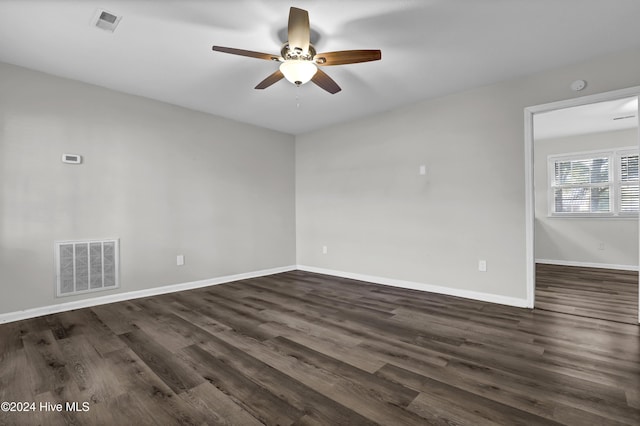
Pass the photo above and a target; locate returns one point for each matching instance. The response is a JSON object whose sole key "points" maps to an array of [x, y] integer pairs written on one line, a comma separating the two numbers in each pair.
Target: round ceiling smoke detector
{"points": [[578, 85]]}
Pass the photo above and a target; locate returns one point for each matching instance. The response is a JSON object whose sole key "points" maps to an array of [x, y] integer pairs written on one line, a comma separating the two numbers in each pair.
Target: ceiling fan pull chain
{"points": [[297, 96]]}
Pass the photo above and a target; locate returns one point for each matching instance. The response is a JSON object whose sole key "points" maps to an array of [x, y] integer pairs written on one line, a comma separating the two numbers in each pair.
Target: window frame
{"points": [[614, 182]]}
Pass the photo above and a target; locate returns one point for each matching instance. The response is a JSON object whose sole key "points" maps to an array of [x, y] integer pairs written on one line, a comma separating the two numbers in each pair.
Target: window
{"points": [[628, 182], [602, 183]]}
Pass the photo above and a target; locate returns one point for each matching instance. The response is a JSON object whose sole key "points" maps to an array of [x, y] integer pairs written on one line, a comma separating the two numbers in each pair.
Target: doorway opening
{"points": [[582, 191]]}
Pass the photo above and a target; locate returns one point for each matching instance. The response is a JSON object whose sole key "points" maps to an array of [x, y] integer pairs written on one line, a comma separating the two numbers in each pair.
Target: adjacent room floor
{"points": [[589, 292], [301, 348]]}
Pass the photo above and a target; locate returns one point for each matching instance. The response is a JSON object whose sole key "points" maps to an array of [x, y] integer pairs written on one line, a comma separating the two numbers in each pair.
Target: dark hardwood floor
{"points": [[589, 292], [306, 349]]}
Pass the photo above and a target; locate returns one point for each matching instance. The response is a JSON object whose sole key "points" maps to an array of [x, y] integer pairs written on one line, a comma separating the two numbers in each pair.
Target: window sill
{"points": [[592, 216]]}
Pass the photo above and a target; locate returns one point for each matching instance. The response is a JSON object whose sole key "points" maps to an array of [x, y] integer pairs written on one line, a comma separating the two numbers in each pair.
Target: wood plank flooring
{"points": [[307, 349], [589, 292]]}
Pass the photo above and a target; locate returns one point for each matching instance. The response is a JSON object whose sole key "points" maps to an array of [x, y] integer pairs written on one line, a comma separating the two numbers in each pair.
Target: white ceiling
{"points": [[598, 117], [162, 49]]}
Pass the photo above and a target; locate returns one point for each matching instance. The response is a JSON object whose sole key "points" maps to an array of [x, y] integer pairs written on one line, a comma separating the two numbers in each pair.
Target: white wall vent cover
{"points": [[86, 266], [106, 20]]}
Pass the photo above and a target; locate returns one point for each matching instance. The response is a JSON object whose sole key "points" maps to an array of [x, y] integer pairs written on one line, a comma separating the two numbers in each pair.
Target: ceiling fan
{"points": [[298, 57]]}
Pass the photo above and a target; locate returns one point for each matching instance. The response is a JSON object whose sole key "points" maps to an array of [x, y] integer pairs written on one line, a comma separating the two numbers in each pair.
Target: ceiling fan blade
{"points": [[273, 78], [249, 53], [323, 80], [299, 30], [344, 57]]}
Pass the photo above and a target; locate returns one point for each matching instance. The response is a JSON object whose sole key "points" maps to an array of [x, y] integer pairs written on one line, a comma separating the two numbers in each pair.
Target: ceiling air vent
{"points": [[106, 20]]}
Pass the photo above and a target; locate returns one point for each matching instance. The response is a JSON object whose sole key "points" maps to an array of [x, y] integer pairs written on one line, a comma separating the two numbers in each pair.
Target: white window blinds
{"points": [[582, 186], [602, 183], [629, 183]]}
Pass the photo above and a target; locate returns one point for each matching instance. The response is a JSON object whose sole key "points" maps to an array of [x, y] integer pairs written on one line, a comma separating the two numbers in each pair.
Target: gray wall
{"points": [[163, 179], [358, 190], [170, 181], [578, 239]]}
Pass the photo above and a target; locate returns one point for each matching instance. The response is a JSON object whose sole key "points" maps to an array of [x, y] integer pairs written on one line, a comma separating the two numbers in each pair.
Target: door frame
{"points": [[530, 206]]}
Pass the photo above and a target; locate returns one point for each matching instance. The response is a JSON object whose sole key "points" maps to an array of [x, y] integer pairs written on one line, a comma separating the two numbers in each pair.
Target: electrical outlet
{"points": [[180, 260], [482, 265], [324, 250]]}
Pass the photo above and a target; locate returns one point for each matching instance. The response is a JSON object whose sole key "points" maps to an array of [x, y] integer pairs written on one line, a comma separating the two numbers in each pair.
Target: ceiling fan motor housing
{"points": [[296, 54]]}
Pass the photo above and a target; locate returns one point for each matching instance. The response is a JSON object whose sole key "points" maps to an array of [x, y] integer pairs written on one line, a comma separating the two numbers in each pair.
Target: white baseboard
{"points": [[588, 264], [102, 300], [467, 294], [119, 297]]}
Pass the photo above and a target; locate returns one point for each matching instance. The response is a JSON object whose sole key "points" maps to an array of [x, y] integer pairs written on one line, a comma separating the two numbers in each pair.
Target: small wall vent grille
{"points": [[106, 21], [86, 266]]}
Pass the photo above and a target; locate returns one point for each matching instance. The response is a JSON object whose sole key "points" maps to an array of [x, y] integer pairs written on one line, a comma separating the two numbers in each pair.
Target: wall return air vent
{"points": [[86, 266]]}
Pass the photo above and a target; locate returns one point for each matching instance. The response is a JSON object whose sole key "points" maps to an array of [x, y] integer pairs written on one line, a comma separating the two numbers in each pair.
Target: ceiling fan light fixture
{"points": [[298, 71], [299, 59]]}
